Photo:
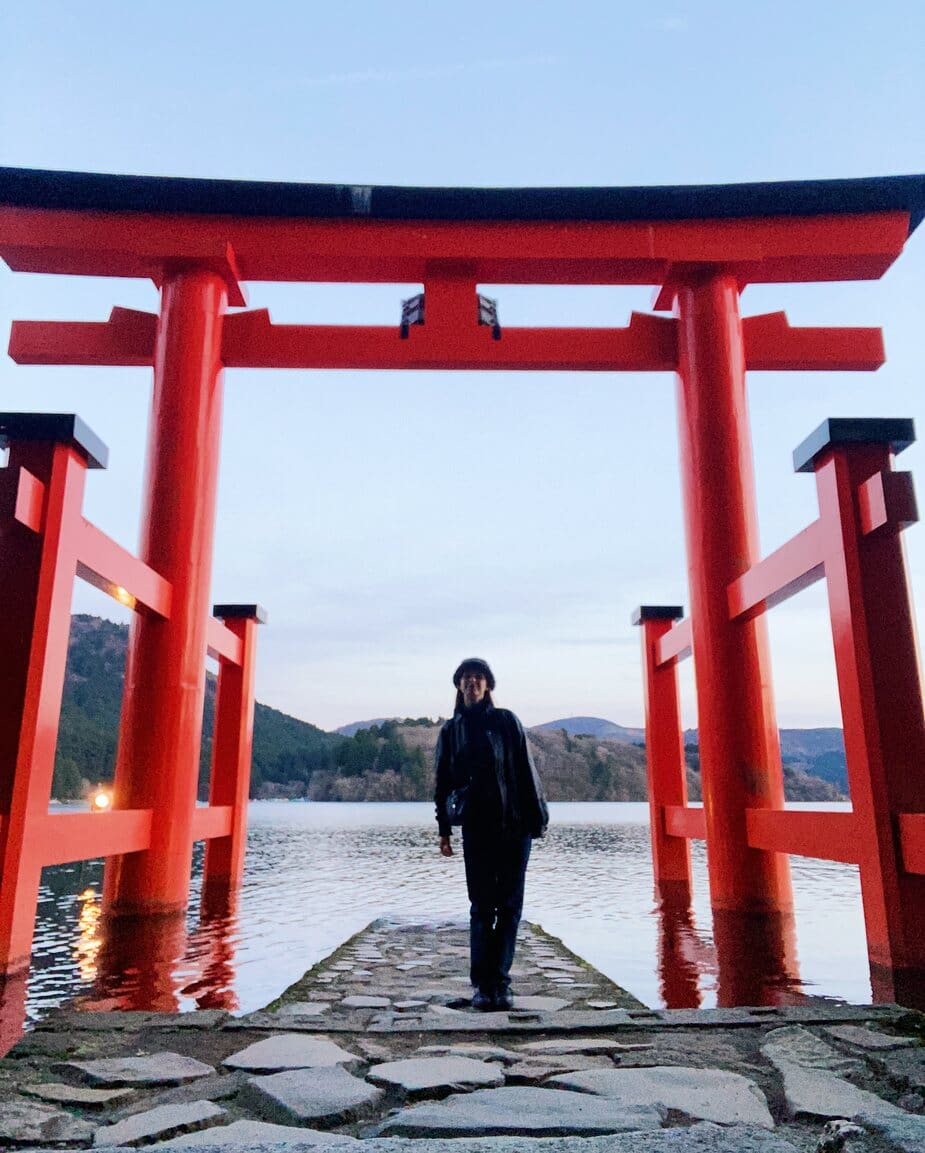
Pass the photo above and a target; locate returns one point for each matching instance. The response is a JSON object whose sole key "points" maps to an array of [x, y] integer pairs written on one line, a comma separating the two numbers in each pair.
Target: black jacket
{"points": [[523, 805]]}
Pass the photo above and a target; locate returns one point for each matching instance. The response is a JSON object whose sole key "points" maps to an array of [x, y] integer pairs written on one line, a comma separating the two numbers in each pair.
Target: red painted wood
{"points": [[685, 822], [912, 841], [158, 758], [68, 837], [764, 249], [251, 340], [827, 836], [213, 821], [30, 501], [674, 644], [886, 500], [114, 570], [788, 570], [740, 765], [223, 642], [36, 582], [231, 759], [667, 781], [881, 700], [771, 345]]}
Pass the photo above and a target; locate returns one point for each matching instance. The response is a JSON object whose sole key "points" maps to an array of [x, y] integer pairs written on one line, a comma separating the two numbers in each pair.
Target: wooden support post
{"points": [[740, 763], [157, 764], [863, 506], [671, 856], [231, 749], [41, 493]]}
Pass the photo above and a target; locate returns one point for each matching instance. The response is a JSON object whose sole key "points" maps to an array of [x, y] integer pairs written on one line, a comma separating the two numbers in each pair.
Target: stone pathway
{"points": [[377, 1046]]}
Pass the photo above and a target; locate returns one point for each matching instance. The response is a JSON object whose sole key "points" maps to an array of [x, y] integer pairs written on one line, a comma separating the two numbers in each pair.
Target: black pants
{"points": [[496, 867]]}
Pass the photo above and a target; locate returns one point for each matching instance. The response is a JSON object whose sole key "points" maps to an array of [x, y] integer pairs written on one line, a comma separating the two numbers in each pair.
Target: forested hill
{"points": [[387, 761], [287, 752]]}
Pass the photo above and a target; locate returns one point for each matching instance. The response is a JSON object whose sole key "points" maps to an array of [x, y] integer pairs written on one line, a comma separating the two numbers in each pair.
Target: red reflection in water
{"points": [[756, 955], [752, 959], [683, 958], [153, 962], [904, 986], [12, 1009]]}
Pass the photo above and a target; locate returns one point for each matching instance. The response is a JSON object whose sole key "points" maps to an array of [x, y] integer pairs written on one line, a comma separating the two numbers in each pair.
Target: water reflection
{"points": [[317, 873], [683, 957], [88, 941], [756, 959]]}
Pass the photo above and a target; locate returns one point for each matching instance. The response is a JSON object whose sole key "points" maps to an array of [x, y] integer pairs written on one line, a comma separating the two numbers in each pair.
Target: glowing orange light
{"points": [[123, 596], [101, 801]]}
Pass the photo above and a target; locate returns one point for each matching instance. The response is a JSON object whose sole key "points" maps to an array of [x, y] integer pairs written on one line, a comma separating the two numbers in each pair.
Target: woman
{"points": [[483, 751]]}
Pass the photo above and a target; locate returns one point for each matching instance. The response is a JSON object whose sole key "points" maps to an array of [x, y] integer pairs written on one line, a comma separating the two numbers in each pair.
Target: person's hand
{"points": [[446, 848]]}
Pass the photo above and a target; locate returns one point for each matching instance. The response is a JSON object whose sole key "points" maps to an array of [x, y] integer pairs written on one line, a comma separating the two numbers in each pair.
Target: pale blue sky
{"points": [[393, 523]]}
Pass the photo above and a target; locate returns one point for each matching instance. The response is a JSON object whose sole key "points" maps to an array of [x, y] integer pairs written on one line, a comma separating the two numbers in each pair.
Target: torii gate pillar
{"points": [[739, 743], [157, 764]]}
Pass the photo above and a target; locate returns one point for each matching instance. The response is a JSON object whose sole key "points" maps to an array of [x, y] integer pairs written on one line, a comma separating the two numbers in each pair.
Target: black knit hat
{"points": [[474, 664]]}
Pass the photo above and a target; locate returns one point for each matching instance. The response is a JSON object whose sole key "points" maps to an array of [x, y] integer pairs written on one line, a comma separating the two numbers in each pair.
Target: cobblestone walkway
{"points": [[378, 1045]]}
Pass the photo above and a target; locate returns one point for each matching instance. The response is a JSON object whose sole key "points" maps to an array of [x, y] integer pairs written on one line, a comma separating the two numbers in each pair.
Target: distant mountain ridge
{"points": [[819, 752], [354, 727], [384, 760], [595, 727]]}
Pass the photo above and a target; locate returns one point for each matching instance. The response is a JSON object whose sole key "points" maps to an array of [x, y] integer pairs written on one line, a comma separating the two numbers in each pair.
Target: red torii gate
{"points": [[201, 241]]}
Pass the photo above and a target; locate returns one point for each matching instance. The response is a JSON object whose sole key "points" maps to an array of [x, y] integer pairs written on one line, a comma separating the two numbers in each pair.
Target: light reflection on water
{"points": [[317, 873]]}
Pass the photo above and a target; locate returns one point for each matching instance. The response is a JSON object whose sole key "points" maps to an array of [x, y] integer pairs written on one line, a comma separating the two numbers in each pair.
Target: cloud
{"points": [[670, 23]]}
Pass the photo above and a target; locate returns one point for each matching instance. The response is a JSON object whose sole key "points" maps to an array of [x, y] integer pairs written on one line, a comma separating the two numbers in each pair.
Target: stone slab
{"points": [[905, 1131], [703, 1137], [818, 1093], [706, 1094], [290, 1051], [22, 1120], [579, 1045], [164, 1121], [812, 1085], [129, 1020], [904, 1068], [304, 1009], [520, 1110], [478, 1052], [251, 1134], [360, 1001], [76, 1094], [543, 1004], [330, 1094], [798, 1046], [863, 1038], [153, 1069], [451, 1073]]}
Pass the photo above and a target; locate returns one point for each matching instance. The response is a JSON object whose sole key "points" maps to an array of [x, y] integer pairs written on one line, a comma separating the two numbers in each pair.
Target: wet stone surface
{"points": [[378, 1045]]}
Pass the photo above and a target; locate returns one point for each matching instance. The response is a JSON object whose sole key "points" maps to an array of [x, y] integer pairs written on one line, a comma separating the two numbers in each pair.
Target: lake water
{"points": [[317, 873]]}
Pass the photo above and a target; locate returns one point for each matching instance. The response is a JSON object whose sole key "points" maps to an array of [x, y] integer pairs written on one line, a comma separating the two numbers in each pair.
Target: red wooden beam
{"points": [[222, 642], [772, 345], [29, 508], [126, 339], [683, 821], [761, 249], [648, 343], [786, 571], [251, 340], [675, 645], [825, 835], [886, 500], [120, 574], [82, 836], [212, 821]]}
